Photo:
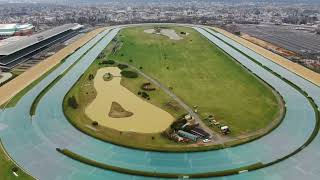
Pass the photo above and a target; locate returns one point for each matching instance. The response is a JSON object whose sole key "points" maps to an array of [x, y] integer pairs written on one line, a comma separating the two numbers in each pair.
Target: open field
{"points": [[10, 89], [146, 117], [202, 75], [291, 66]]}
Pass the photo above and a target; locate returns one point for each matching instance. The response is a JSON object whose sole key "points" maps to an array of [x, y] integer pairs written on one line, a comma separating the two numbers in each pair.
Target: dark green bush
{"points": [[15, 169], [95, 123], [122, 66], [129, 74], [91, 76], [145, 95], [108, 62], [72, 102]]}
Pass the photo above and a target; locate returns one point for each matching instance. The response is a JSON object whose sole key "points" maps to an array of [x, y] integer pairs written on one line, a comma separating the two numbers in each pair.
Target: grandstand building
{"points": [[17, 52]]}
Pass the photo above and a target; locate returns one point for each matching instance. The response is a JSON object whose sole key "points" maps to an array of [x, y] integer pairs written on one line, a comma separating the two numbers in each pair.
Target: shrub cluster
{"points": [[95, 123], [122, 66], [111, 62], [129, 74], [144, 95], [72, 102], [91, 76]]}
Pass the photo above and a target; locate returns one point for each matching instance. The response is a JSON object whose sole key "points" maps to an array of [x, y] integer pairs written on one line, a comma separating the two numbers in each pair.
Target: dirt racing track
{"points": [[291, 151]]}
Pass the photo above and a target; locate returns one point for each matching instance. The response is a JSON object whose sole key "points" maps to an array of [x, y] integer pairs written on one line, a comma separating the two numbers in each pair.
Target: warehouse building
{"points": [[15, 53]]}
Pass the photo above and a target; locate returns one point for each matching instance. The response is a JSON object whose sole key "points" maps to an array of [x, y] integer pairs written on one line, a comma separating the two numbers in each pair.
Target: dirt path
{"points": [[291, 66], [170, 33], [11, 88]]}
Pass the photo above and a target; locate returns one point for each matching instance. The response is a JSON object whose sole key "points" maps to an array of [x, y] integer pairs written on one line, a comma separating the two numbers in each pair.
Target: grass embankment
{"points": [[7, 167], [202, 75]]}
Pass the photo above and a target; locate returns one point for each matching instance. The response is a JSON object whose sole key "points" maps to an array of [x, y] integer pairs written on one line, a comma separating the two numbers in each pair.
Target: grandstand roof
{"points": [[30, 40]]}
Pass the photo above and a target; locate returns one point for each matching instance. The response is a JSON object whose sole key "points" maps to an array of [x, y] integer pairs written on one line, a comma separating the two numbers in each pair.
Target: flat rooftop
{"points": [[10, 48]]}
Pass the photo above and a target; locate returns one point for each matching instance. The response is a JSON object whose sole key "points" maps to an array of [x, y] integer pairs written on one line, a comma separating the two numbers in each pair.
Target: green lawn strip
{"points": [[109, 167], [202, 75], [7, 167]]}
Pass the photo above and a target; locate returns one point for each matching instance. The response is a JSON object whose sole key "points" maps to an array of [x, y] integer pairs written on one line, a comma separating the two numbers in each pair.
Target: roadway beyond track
{"points": [[32, 143]]}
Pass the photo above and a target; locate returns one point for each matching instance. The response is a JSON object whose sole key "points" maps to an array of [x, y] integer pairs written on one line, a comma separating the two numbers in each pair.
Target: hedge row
{"points": [[129, 74]]}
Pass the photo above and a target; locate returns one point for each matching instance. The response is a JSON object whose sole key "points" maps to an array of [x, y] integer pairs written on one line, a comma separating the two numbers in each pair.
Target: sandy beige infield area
{"points": [[11, 88], [146, 118], [291, 66]]}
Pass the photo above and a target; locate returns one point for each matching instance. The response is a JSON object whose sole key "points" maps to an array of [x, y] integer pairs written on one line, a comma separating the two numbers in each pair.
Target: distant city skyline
{"points": [[68, 2]]}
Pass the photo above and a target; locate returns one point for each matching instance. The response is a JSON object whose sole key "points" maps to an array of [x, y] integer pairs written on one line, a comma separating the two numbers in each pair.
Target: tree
{"points": [[91, 76], [122, 66]]}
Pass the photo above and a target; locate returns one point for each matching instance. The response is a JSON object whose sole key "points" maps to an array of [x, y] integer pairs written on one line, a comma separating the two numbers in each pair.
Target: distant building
{"points": [[7, 30]]}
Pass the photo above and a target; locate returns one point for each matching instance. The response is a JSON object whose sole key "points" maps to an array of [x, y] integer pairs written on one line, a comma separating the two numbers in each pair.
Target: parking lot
{"points": [[288, 37]]}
